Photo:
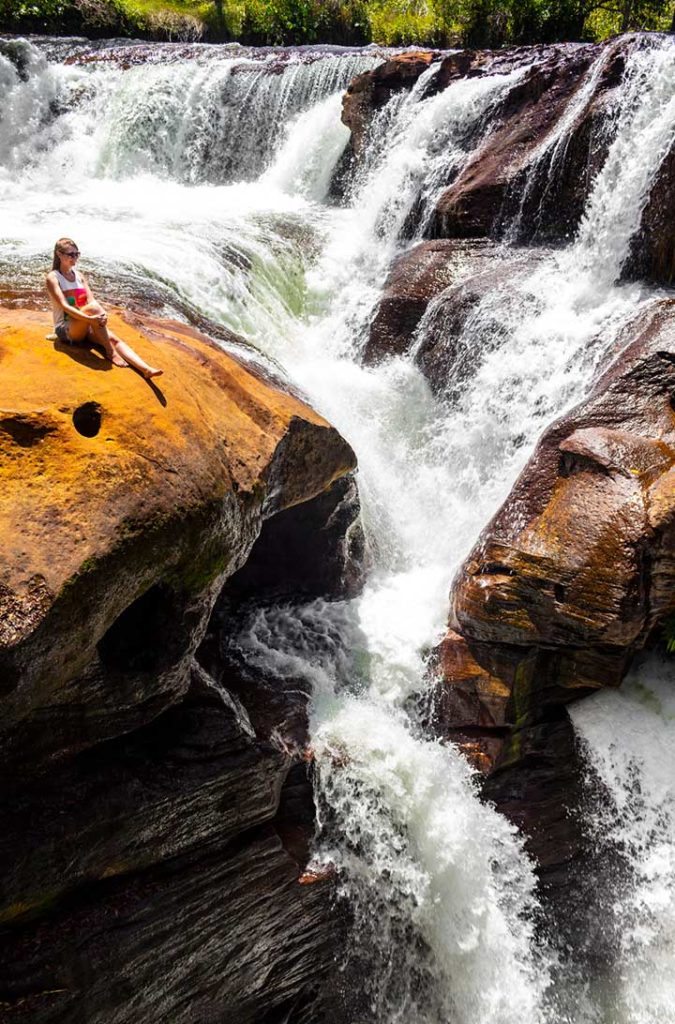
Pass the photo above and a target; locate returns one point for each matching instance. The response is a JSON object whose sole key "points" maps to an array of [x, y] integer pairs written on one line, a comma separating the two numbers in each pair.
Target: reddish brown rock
{"points": [[570, 558], [433, 291], [417, 277], [570, 578], [652, 250], [509, 174], [373, 89], [470, 708], [542, 143]]}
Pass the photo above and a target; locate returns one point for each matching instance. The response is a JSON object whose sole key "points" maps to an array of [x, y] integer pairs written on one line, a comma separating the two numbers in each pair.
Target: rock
{"points": [[573, 557], [434, 292], [473, 317], [537, 149], [518, 171], [194, 774], [153, 872], [651, 254], [314, 549], [416, 277], [124, 506], [373, 89], [569, 579], [188, 838], [226, 933], [471, 708]]}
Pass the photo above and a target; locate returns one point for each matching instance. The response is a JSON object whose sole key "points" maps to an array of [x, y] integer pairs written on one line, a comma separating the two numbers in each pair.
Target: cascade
{"points": [[151, 171], [626, 738]]}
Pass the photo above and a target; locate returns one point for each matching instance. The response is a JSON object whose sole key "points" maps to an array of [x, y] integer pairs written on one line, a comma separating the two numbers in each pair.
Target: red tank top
{"points": [[74, 291]]}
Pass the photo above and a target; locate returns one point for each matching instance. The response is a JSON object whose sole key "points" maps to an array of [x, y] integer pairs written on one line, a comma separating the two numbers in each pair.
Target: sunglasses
{"points": [[73, 253]]}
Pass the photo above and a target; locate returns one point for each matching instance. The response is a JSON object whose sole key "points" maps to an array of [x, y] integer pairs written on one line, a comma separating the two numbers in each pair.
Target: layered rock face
{"points": [[436, 307], [571, 577], [146, 869], [542, 142], [534, 158]]}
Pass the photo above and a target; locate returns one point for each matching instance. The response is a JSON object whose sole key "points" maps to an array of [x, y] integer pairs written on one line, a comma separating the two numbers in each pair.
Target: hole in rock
{"points": [[23, 431], [559, 592], [576, 462], [87, 419], [139, 639], [496, 569]]}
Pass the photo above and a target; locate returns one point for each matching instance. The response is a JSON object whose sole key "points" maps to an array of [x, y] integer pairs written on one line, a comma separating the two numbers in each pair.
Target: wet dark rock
{"points": [[444, 303], [154, 831], [193, 775], [224, 933], [514, 174], [651, 254], [314, 549], [373, 89], [572, 576], [468, 320], [417, 277], [538, 148]]}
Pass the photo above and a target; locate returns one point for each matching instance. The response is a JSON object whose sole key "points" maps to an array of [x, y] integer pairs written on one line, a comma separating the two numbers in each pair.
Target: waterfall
{"points": [[206, 179], [626, 738]]}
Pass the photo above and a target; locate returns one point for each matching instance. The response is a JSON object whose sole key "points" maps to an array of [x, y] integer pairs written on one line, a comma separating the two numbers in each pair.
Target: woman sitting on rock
{"points": [[78, 317]]}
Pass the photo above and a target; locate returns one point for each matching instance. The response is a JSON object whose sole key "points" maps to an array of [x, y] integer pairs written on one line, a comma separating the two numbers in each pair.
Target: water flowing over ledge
{"points": [[222, 188]]}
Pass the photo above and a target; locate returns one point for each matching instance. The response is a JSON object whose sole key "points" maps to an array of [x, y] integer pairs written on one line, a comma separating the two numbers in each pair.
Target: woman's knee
{"points": [[92, 308], [78, 330]]}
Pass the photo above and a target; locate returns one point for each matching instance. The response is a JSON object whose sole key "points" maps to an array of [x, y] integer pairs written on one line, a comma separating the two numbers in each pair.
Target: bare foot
{"points": [[152, 372], [118, 361]]}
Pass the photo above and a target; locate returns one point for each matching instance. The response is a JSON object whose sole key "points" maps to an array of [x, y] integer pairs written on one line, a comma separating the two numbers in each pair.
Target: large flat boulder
{"points": [[124, 506], [154, 830]]}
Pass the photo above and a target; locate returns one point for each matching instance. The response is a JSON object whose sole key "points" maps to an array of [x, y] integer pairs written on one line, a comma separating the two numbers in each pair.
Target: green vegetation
{"points": [[389, 22]]}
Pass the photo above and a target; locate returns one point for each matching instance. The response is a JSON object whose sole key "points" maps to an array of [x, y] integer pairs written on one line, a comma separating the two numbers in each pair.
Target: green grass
{"points": [[387, 22]]}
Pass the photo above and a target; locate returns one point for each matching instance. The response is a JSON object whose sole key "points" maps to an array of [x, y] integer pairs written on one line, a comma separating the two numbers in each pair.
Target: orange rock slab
{"points": [[112, 488]]}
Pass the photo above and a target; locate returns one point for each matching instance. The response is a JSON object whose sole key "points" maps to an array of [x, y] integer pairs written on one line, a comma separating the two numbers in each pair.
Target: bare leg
{"points": [[99, 332], [133, 359], [117, 350]]}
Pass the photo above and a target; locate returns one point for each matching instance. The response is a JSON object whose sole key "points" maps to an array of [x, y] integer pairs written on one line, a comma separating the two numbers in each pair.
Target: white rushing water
{"points": [[627, 738], [210, 177]]}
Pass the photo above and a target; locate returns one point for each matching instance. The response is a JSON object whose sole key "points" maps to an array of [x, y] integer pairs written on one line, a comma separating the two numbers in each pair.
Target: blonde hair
{"points": [[61, 246]]}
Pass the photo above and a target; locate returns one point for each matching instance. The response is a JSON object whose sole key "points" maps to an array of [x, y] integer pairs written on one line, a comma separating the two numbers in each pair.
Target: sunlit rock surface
{"points": [[431, 307], [152, 835], [539, 147], [116, 492], [573, 574]]}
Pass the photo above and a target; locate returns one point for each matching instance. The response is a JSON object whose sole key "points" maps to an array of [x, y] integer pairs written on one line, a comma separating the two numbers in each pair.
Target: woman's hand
{"points": [[101, 318]]}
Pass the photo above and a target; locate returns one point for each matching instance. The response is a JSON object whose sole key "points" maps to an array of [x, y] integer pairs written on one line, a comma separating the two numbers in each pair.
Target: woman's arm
{"points": [[101, 316], [54, 289]]}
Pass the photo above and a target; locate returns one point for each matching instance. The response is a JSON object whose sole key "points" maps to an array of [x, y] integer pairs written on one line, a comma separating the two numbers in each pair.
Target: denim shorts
{"points": [[61, 332]]}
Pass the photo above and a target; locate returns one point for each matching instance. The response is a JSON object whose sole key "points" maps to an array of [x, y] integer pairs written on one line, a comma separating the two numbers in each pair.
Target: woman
{"points": [[77, 315]]}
